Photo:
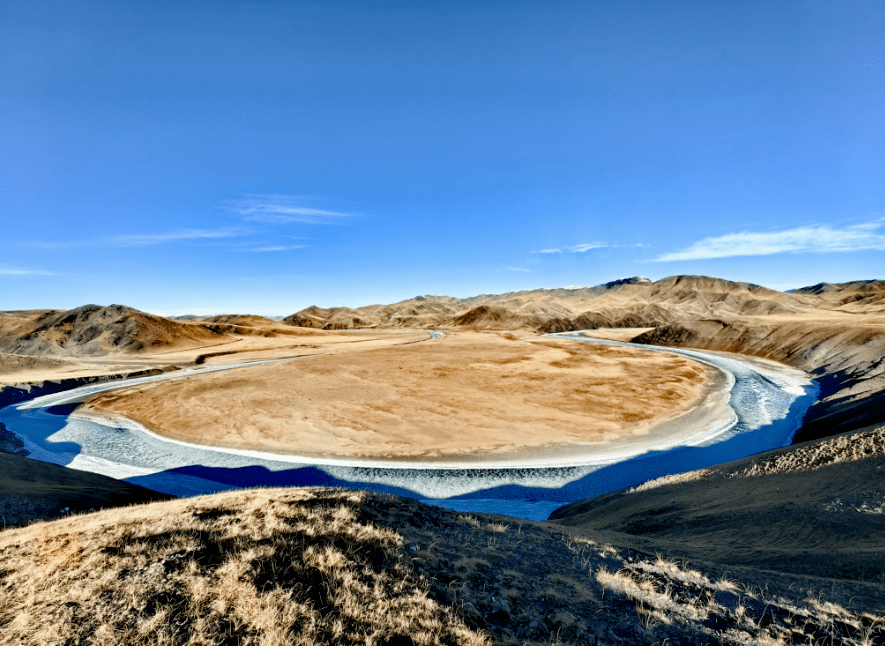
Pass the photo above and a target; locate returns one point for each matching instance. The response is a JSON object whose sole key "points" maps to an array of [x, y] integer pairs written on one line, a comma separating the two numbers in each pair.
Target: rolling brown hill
{"points": [[838, 291], [93, 330], [630, 302], [856, 297]]}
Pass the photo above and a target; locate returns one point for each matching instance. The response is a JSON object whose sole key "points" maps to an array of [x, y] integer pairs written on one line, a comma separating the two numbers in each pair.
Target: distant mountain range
{"points": [[637, 302], [629, 302]]}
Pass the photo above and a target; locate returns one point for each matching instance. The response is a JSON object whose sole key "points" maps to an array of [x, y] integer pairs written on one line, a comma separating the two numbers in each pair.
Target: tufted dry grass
{"points": [[267, 567]]}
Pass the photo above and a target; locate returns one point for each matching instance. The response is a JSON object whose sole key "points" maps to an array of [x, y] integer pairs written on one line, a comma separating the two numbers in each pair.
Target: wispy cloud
{"points": [[581, 248], [23, 271], [517, 269], [276, 248], [578, 248], [142, 239], [810, 239], [177, 236], [281, 209]]}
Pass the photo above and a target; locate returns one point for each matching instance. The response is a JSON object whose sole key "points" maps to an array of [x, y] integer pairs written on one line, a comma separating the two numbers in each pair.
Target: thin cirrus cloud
{"points": [[517, 269], [808, 239], [578, 248], [23, 271], [142, 239], [276, 248], [177, 236], [282, 209]]}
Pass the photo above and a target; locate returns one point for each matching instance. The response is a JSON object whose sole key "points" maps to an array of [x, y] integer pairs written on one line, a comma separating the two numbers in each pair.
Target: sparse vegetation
{"points": [[314, 566], [259, 567]]}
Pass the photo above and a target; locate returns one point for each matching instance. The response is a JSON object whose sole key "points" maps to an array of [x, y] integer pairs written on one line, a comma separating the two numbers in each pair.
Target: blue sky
{"points": [[264, 156]]}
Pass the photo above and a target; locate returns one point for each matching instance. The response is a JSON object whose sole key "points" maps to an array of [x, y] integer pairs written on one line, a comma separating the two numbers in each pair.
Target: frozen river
{"points": [[767, 404]]}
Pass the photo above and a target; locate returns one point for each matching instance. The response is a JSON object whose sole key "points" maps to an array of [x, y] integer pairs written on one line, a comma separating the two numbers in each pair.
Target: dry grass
{"points": [[262, 567], [688, 476], [665, 593], [498, 528], [470, 520], [319, 566], [840, 449]]}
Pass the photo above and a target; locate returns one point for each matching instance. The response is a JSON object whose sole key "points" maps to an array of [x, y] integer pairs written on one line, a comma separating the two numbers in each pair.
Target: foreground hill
{"points": [[320, 566]]}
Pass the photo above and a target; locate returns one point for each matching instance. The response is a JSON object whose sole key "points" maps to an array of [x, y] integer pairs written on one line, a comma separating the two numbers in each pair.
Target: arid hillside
{"points": [[630, 302], [92, 330], [319, 566], [860, 296], [626, 303], [780, 548]]}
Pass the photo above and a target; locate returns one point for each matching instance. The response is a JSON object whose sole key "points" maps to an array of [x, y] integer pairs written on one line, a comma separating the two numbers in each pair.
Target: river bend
{"points": [[767, 405]]}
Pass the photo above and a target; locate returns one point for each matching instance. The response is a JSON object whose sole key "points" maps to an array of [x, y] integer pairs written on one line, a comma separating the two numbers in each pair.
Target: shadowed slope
{"points": [[31, 490], [816, 509]]}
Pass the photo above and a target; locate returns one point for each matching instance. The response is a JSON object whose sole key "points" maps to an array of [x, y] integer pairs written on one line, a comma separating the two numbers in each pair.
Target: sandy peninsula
{"points": [[466, 394]]}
